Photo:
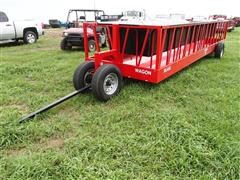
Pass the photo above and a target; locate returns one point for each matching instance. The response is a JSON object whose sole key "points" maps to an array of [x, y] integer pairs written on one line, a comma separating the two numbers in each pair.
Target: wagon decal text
{"points": [[143, 71], [167, 69]]}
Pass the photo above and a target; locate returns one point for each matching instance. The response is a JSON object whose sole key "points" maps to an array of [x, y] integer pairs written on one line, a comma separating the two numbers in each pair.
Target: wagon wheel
{"points": [[106, 82], [219, 50], [83, 75]]}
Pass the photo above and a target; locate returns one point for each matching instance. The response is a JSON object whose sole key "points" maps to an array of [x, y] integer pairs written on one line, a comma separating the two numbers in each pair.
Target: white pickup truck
{"points": [[10, 31]]}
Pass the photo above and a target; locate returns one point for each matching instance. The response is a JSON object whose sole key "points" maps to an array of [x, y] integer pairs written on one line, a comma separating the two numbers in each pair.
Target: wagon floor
{"points": [[146, 61]]}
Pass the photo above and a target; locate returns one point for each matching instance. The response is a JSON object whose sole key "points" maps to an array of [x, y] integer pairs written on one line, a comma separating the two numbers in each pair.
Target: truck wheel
{"points": [[103, 40], [219, 50], [106, 82], [104, 44], [64, 45], [30, 37], [91, 45], [83, 74]]}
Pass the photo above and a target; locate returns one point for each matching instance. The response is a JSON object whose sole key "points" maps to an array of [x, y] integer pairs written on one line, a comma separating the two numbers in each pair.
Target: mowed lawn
{"points": [[187, 127]]}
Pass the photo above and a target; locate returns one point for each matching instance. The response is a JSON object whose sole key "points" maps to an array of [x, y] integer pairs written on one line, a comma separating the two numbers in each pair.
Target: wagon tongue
{"points": [[50, 106]]}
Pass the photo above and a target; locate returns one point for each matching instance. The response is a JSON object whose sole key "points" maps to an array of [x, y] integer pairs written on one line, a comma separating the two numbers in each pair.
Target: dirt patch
{"points": [[15, 152], [55, 143], [51, 143], [54, 33], [19, 107]]}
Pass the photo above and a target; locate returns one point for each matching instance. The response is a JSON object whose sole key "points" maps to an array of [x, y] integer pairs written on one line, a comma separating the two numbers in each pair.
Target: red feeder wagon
{"points": [[147, 52]]}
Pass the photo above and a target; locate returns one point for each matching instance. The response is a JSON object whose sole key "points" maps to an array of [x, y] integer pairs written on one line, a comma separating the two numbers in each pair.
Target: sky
{"points": [[44, 10]]}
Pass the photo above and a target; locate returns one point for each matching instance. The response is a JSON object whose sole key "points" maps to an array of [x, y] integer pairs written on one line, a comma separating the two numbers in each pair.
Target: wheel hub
{"points": [[110, 84], [92, 47], [88, 77], [30, 38]]}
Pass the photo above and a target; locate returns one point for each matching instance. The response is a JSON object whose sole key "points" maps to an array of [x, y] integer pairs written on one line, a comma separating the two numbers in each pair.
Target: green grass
{"points": [[187, 127]]}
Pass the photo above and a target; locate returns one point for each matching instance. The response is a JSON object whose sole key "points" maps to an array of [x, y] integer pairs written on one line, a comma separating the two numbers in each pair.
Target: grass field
{"points": [[187, 127]]}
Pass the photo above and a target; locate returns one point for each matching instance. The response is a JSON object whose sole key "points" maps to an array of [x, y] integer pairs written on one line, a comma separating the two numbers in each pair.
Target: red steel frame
{"points": [[200, 40]]}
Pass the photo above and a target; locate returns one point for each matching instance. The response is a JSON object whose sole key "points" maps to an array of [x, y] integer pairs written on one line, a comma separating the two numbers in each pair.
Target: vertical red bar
{"points": [[171, 45], [174, 48], [168, 51], [197, 37], [179, 45], [109, 37], [208, 35], [143, 47], [94, 26], [115, 37], [136, 47], [159, 40], [220, 34], [204, 36], [85, 25], [205, 31], [219, 30], [192, 39], [125, 42], [202, 31], [214, 33], [152, 48], [222, 30], [164, 32], [225, 32], [116, 42], [186, 42]]}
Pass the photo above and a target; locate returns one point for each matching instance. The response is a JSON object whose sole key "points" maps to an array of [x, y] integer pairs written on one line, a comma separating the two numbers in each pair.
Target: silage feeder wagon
{"points": [[144, 51]]}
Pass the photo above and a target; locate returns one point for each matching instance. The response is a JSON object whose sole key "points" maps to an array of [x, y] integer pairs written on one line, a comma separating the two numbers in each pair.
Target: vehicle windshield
{"points": [[77, 17], [84, 15]]}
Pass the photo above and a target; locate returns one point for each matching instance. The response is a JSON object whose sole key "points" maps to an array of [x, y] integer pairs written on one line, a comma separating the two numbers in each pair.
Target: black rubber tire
{"points": [[104, 44], [27, 40], [98, 81], [219, 50], [64, 46], [83, 74], [91, 45]]}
